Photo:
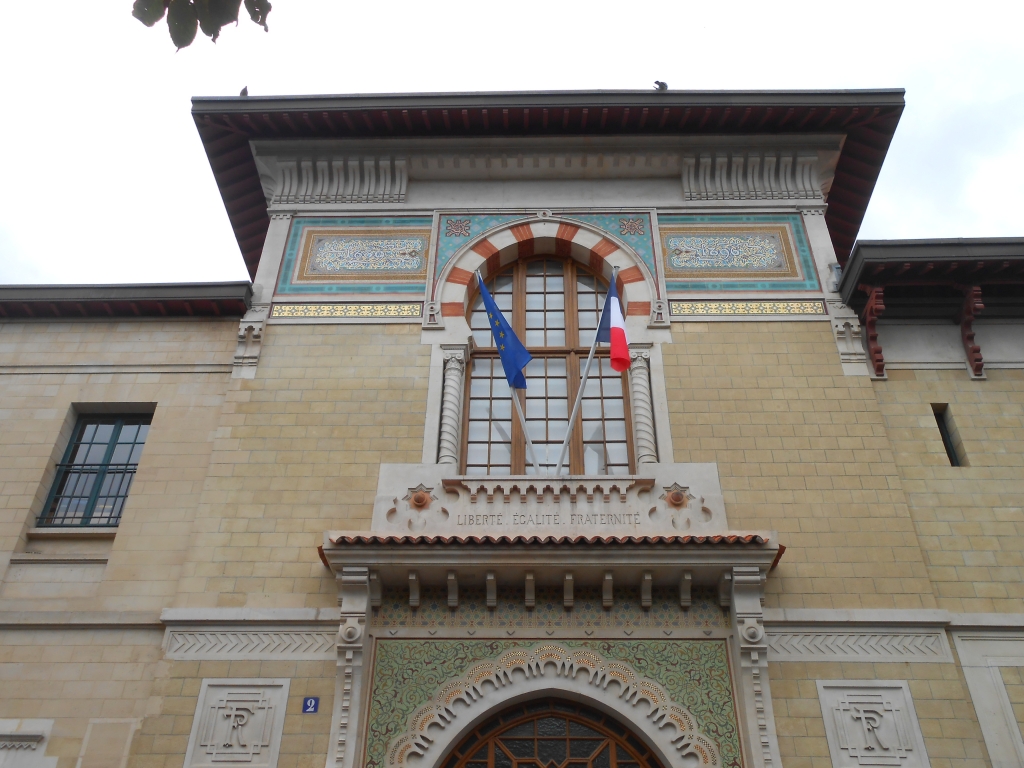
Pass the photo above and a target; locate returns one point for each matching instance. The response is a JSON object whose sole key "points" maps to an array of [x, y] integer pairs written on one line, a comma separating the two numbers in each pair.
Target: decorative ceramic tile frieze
{"points": [[694, 308], [871, 723], [408, 673], [365, 254], [412, 309], [238, 721], [549, 613], [745, 253]]}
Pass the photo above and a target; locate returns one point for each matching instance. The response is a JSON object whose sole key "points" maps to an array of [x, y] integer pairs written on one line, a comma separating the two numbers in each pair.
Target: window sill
{"points": [[72, 532], [34, 558]]}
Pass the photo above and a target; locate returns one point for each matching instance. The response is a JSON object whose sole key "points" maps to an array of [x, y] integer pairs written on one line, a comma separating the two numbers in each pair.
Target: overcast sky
{"points": [[105, 180]]}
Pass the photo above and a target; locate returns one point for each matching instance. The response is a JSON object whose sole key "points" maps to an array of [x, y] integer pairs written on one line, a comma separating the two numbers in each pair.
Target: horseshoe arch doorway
{"points": [[550, 733]]}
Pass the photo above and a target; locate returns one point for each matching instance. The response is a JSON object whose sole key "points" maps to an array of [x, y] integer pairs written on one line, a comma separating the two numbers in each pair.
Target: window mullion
{"points": [[101, 472]]}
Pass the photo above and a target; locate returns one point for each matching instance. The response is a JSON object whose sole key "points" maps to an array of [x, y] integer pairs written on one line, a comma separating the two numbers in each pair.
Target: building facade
{"points": [[298, 522]]}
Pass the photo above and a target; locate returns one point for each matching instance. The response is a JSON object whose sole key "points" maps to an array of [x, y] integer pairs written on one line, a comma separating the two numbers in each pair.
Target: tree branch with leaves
{"points": [[185, 17]]}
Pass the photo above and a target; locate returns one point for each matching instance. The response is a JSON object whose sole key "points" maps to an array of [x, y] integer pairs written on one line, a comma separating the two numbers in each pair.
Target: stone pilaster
{"points": [[456, 357], [353, 598], [645, 444], [751, 649]]}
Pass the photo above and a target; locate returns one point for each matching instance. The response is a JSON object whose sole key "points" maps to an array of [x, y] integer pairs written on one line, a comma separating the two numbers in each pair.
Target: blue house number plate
{"points": [[310, 705]]}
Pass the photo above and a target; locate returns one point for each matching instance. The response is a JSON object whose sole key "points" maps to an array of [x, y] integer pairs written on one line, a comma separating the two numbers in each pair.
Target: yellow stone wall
{"points": [[297, 453], [949, 723], [45, 370], [163, 738], [970, 519], [802, 450], [240, 477]]}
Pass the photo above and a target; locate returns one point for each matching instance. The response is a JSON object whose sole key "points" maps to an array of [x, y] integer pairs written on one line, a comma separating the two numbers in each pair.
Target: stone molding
{"points": [[21, 740], [869, 644], [250, 643], [304, 179], [871, 723], [757, 174], [516, 669]]}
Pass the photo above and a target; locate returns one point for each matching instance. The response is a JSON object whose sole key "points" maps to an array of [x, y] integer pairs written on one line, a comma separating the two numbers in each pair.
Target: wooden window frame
{"points": [[572, 352]]}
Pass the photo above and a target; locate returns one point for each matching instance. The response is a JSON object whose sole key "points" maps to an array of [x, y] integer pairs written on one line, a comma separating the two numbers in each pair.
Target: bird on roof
{"points": [[244, 91], [660, 86]]}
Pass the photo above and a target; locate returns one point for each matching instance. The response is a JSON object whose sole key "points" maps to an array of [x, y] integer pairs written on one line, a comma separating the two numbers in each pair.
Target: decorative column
{"points": [[455, 358], [645, 445], [752, 649], [353, 598]]}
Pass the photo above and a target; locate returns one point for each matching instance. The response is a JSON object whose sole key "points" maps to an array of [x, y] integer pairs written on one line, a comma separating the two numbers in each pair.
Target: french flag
{"points": [[612, 329]]}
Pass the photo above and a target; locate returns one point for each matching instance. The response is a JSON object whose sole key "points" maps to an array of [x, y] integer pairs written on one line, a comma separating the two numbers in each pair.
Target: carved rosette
{"points": [[645, 444], [449, 449]]}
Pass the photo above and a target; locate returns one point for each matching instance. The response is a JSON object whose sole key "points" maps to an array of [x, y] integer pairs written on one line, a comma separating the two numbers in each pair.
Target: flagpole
{"points": [[579, 396], [526, 432]]}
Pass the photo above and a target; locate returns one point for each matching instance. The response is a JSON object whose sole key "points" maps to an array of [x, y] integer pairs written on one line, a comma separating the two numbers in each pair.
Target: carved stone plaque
{"points": [[871, 723], [238, 721]]}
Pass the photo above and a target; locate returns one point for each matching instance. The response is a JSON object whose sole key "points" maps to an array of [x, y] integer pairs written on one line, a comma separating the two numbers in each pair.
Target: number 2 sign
{"points": [[310, 705]]}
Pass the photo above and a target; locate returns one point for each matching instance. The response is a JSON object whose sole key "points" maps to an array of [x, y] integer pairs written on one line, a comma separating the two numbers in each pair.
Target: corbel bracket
{"points": [[873, 309], [972, 305]]}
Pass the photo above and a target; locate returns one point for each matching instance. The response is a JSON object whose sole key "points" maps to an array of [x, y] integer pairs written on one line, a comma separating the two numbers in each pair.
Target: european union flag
{"points": [[514, 356]]}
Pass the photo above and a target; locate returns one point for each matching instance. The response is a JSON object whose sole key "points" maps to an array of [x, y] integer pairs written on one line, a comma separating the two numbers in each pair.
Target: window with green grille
{"points": [[93, 481]]}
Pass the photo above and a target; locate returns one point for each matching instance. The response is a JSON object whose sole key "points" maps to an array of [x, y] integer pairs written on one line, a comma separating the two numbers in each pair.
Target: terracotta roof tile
{"points": [[371, 539]]}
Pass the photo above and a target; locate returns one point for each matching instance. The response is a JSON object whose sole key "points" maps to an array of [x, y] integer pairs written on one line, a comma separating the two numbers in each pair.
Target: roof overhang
{"points": [[156, 300], [929, 278], [867, 119], [549, 558]]}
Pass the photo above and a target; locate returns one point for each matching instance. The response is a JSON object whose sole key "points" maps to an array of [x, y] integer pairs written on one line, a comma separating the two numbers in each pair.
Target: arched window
{"points": [[551, 734], [554, 306]]}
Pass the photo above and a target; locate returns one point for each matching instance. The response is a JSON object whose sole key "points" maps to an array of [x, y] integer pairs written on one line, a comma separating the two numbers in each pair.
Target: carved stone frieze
{"points": [[291, 180], [816, 644], [871, 723], [252, 643], [667, 499], [756, 174], [515, 667], [238, 721]]}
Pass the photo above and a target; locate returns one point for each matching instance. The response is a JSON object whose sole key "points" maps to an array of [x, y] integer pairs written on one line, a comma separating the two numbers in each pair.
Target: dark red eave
{"points": [[227, 130]]}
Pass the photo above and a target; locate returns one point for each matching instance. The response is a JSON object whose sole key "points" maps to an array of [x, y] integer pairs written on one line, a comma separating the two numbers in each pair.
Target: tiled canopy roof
{"points": [[370, 539], [867, 119]]}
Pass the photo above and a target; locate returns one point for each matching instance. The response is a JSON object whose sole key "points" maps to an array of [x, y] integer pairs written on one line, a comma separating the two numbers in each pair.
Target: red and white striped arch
{"points": [[503, 245]]}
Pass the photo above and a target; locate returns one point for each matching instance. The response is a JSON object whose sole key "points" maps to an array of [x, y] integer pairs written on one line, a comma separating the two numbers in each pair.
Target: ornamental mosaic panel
{"points": [[407, 673], [356, 255], [747, 253], [412, 309], [458, 229], [549, 612], [727, 308]]}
